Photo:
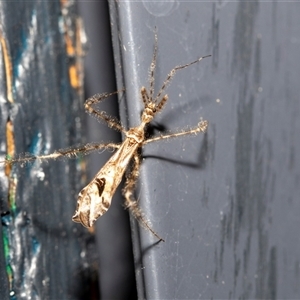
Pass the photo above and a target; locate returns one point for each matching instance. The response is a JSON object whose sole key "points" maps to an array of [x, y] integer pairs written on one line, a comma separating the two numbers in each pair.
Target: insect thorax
{"points": [[137, 134]]}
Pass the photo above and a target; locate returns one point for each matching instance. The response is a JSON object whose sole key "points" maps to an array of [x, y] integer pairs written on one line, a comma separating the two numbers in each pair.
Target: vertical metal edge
{"points": [[118, 58]]}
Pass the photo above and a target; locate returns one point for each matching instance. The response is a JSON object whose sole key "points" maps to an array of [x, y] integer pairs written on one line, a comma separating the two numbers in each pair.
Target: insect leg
{"points": [[111, 122], [130, 201], [202, 127], [69, 152]]}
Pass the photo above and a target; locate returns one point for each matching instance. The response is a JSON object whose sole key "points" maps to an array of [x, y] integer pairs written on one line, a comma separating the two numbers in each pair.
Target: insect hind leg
{"points": [[130, 202], [68, 152]]}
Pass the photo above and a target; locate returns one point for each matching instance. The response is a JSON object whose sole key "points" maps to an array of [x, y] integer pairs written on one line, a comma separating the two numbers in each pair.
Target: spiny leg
{"points": [[145, 96], [130, 202], [172, 74], [111, 122], [69, 152], [202, 127], [147, 100]]}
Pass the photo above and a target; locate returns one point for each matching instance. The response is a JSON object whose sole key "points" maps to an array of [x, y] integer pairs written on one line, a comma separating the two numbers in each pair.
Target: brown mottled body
{"points": [[94, 200]]}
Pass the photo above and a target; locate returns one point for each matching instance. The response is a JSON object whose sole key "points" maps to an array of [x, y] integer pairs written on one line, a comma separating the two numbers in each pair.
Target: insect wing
{"points": [[91, 204], [94, 200]]}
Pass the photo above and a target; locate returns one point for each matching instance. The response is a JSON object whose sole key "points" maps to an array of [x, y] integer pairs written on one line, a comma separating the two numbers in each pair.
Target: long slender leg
{"points": [[111, 122], [130, 202], [202, 127], [172, 74], [70, 152]]}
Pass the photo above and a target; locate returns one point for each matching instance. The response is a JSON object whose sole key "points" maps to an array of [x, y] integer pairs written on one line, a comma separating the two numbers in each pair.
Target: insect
{"points": [[95, 199]]}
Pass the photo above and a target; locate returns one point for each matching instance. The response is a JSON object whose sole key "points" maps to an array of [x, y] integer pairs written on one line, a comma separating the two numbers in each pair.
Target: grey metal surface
{"points": [[227, 203], [116, 271], [46, 254]]}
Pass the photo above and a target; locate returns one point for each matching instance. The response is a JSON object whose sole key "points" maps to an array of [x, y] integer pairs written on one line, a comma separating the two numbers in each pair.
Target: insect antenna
{"points": [[152, 68], [172, 74]]}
